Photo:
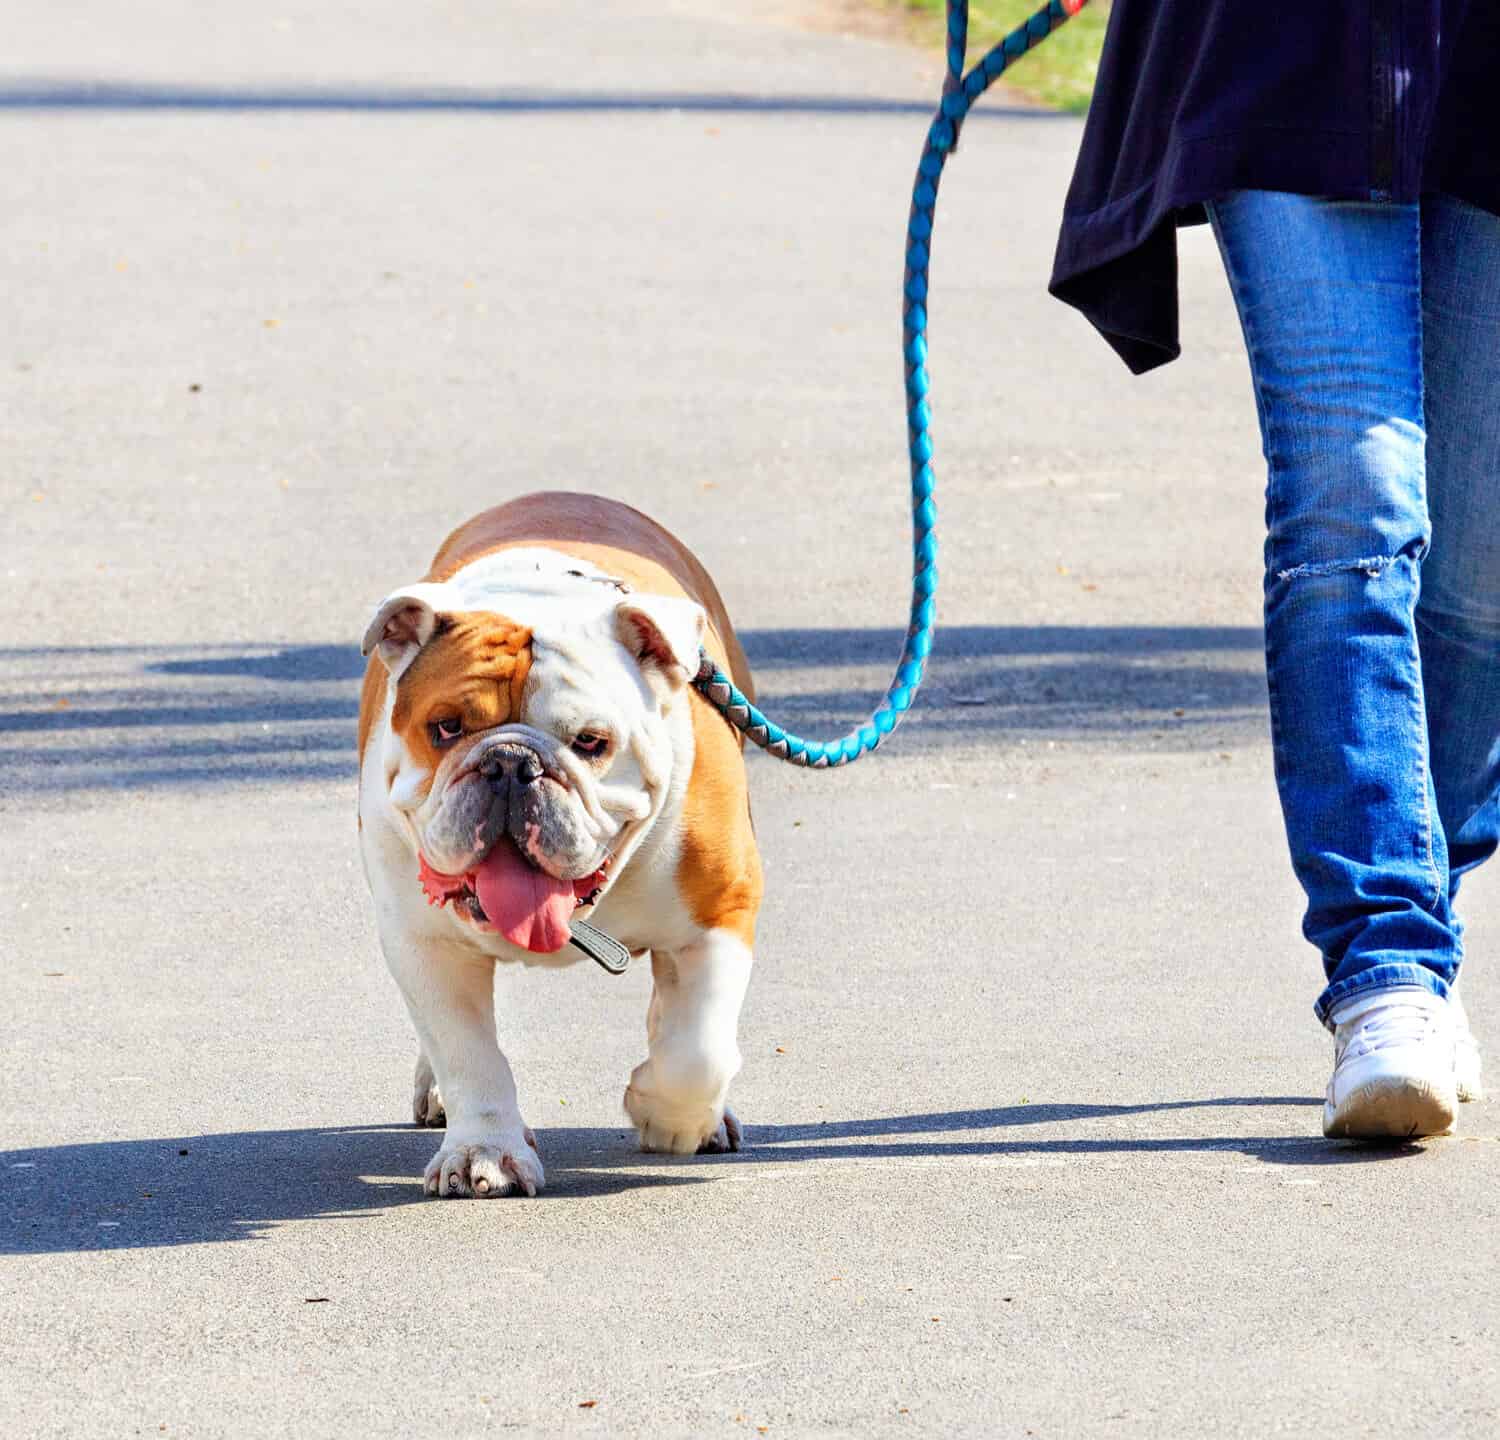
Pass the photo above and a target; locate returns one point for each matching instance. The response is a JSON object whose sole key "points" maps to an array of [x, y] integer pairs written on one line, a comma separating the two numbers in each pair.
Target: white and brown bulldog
{"points": [[531, 752]]}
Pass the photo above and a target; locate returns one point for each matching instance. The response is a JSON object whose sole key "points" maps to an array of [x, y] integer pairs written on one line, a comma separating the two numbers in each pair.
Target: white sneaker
{"points": [[1393, 1067], [1466, 1062]]}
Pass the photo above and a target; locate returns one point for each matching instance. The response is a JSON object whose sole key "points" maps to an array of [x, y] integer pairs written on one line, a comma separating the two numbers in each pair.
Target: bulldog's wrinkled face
{"points": [[526, 759]]}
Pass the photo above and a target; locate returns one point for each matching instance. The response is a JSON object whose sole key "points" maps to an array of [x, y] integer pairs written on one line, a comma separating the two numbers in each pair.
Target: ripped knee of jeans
{"points": [[1371, 566]]}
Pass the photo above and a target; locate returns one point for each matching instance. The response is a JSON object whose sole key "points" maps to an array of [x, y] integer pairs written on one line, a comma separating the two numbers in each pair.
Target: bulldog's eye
{"points": [[445, 732], [590, 744]]}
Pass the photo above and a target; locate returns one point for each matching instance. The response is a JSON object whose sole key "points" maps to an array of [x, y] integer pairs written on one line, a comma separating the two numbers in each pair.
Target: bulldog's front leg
{"points": [[488, 1150], [676, 1096]]}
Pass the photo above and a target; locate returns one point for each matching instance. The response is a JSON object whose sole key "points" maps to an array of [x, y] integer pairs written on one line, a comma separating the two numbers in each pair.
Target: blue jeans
{"points": [[1374, 340]]}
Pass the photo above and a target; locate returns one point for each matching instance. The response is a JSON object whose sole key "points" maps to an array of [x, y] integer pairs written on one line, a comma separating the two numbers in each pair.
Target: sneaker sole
{"points": [[1391, 1108]]}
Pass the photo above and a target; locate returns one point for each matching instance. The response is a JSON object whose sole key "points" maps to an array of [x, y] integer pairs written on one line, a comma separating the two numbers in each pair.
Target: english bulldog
{"points": [[532, 754]]}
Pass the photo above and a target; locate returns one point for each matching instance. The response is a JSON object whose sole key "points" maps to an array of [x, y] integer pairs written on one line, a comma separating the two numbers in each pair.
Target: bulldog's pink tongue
{"points": [[525, 904]]}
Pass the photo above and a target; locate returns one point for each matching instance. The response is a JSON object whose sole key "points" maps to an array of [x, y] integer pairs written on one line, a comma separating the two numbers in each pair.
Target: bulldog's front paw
{"points": [[680, 1129], [506, 1164], [426, 1102]]}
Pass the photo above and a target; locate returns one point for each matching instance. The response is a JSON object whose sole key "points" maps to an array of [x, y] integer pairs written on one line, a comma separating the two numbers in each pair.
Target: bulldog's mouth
{"points": [[506, 894]]}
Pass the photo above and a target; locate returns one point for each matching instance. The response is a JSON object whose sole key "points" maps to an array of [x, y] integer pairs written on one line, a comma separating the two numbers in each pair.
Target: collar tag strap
{"points": [[604, 949]]}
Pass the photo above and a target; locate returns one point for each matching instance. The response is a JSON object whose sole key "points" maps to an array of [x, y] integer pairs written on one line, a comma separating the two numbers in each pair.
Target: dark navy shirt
{"points": [[1352, 99]]}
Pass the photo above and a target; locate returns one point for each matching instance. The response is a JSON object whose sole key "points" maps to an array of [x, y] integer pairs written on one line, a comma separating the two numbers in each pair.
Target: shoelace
{"points": [[1395, 1025]]}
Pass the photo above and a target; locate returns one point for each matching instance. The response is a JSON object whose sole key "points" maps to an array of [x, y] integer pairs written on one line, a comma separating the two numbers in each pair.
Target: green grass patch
{"points": [[1059, 72]]}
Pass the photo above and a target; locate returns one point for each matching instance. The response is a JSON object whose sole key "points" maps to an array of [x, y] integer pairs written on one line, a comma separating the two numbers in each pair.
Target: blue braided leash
{"points": [[960, 91]]}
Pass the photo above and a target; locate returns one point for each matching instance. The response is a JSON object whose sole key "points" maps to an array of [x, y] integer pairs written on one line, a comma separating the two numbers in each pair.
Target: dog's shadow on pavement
{"points": [[200, 1189], [203, 1189]]}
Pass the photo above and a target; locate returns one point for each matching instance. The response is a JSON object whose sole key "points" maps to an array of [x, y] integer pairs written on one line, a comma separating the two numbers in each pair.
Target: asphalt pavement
{"points": [[1032, 1079]]}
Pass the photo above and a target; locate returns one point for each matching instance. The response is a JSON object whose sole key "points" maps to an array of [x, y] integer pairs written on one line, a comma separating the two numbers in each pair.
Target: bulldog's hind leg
{"points": [[426, 1098], [676, 1096], [488, 1150]]}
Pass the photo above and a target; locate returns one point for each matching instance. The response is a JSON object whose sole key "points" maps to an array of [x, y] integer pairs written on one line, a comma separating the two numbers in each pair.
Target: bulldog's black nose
{"points": [[505, 764]]}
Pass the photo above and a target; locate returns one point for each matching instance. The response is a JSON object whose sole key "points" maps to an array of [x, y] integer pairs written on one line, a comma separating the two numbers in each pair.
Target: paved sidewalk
{"points": [[1031, 1080]]}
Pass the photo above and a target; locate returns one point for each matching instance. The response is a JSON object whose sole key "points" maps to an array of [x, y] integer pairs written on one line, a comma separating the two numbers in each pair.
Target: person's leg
{"points": [[1458, 615], [1329, 296]]}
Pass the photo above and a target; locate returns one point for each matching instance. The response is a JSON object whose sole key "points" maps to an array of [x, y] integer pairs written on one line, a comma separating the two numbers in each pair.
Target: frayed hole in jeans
{"points": [[1374, 566]]}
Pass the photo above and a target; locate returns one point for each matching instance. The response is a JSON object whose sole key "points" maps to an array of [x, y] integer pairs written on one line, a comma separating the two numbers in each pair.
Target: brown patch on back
{"points": [[618, 539]]}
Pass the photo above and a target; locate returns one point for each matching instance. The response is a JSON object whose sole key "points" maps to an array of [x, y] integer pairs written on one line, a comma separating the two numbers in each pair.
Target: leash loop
{"points": [[960, 91]]}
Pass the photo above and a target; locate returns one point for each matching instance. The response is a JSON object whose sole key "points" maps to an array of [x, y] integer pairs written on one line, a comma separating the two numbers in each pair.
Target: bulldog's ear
{"points": [[664, 633], [403, 624]]}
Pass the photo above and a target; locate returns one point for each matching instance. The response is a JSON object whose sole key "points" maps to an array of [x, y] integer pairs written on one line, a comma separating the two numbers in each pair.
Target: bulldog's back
{"points": [[615, 537]]}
